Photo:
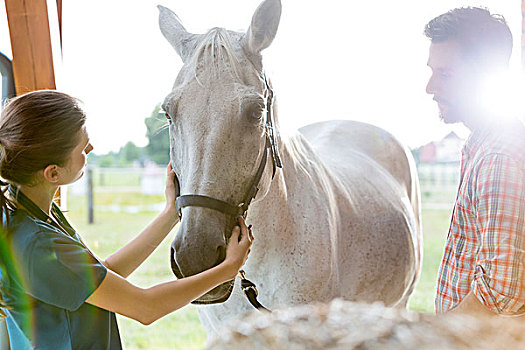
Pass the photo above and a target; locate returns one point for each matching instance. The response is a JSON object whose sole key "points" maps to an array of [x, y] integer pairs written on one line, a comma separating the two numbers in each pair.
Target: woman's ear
{"points": [[51, 173]]}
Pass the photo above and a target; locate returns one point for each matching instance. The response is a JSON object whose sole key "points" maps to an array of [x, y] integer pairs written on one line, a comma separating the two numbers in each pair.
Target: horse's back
{"points": [[334, 140], [337, 137]]}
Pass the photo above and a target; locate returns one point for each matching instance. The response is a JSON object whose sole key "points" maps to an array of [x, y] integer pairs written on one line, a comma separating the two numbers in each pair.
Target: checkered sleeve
{"points": [[499, 204]]}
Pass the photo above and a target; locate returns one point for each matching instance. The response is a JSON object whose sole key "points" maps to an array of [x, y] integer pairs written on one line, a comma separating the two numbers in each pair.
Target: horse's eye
{"points": [[167, 116], [253, 110]]}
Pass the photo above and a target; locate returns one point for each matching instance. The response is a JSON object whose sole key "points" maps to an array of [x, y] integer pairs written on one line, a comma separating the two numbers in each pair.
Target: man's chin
{"points": [[447, 120], [450, 118]]}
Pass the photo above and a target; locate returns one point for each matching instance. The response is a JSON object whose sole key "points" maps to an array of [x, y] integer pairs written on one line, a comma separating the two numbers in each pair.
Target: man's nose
{"points": [[431, 86]]}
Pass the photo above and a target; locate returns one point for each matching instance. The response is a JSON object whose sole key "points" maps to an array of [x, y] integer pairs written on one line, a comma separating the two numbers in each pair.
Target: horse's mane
{"points": [[215, 50]]}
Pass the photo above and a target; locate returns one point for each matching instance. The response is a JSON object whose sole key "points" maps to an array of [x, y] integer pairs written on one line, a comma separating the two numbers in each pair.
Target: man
{"points": [[483, 266]]}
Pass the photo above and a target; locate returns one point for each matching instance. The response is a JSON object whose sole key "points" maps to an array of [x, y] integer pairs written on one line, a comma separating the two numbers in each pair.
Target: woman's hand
{"points": [[237, 251], [170, 192]]}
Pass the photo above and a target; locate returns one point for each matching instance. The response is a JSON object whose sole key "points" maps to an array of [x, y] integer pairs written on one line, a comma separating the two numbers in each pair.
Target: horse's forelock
{"points": [[217, 51]]}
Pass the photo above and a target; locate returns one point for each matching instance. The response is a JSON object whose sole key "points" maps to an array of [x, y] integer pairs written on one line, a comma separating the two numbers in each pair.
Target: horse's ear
{"points": [[182, 41], [263, 28]]}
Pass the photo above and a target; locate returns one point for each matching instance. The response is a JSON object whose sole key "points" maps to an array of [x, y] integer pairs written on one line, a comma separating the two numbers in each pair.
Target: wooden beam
{"points": [[31, 45]]}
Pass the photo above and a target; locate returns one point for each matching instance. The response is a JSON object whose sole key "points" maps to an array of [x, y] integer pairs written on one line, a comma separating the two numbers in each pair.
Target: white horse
{"points": [[340, 219]]}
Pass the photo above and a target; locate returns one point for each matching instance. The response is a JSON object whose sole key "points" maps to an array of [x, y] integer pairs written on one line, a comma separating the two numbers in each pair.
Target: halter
{"points": [[241, 209]]}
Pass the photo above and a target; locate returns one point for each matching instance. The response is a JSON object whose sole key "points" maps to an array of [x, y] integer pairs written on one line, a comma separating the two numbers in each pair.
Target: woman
{"points": [[56, 293]]}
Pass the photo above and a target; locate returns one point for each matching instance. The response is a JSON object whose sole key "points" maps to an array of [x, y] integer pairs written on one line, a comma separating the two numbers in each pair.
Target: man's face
{"points": [[452, 82]]}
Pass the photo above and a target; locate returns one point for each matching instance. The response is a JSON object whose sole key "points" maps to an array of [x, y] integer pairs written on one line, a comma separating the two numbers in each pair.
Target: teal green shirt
{"points": [[46, 277]]}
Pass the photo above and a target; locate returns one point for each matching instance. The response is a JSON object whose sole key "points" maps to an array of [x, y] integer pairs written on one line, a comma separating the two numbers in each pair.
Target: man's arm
{"points": [[471, 305], [499, 205]]}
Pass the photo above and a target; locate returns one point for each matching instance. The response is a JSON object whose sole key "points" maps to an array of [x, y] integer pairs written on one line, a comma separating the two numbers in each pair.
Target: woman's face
{"points": [[74, 169]]}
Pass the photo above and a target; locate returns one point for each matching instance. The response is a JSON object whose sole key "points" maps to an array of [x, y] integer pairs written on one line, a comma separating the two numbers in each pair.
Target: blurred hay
{"points": [[346, 325]]}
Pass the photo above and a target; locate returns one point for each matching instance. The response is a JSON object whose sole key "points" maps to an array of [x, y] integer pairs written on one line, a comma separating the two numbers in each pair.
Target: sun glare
{"points": [[503, 94]]}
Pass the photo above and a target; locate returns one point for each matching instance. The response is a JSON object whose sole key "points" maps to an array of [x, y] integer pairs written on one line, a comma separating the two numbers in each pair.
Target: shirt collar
{"points": [[475, 140], [61, 222], [482, 137]]}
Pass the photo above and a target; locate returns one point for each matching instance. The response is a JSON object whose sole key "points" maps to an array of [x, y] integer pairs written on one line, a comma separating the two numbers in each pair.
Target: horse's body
{"points": [[338, 222], [341, 219]]}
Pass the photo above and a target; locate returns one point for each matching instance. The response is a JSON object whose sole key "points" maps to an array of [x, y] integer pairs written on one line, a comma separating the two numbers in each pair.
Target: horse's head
{"points": [[217, 113]]}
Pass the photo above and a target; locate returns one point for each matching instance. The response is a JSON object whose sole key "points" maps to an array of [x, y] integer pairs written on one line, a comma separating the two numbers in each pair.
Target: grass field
{"points": [[182, 329]]}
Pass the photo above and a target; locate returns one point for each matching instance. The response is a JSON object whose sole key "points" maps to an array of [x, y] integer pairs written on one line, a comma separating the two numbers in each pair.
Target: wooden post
{"points": [[31, 45], [91, 217], [30, 35]]}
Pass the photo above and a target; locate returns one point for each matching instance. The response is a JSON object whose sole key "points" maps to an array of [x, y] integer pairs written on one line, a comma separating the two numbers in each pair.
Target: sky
{"points": [[331, 59]]}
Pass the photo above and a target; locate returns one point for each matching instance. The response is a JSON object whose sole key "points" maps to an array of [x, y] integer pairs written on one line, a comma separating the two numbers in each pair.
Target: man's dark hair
{"points": [[484, 37]]}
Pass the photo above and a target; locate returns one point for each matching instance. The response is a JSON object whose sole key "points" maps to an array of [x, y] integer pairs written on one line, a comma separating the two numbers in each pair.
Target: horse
{"points": [[336, 205]]}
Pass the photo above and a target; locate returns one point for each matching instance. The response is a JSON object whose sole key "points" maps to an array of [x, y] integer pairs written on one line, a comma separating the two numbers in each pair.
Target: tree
{"points": [[129, 153], [158, 148], [105, 160]]}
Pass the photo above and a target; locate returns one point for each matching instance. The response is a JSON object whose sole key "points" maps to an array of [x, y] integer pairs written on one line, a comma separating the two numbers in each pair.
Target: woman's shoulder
{"points": [[25, 230], [21, 221]]}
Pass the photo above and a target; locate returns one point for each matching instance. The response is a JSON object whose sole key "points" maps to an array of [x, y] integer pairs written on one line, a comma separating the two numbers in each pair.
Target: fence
{"points": [[438, 182], [148, 180]]}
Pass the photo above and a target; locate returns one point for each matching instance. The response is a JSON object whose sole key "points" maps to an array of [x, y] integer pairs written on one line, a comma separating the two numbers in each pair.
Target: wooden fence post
{"points": [[91, 218]]}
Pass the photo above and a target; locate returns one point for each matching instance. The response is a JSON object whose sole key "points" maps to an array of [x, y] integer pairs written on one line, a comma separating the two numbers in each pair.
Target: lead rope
{"points": [[250, 291]]}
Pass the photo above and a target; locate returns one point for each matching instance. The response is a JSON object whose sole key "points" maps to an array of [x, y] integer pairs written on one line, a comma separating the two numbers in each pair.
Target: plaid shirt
{"points": [[485, 247]]}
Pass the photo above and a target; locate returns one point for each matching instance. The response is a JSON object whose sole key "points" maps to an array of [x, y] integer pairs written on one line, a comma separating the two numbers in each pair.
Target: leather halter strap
{"points": [[196, 200], [193, 200]]}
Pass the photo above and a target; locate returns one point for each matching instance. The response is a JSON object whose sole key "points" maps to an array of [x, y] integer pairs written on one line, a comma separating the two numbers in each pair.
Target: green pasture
{"points": [[182, 329], [116, 177]]}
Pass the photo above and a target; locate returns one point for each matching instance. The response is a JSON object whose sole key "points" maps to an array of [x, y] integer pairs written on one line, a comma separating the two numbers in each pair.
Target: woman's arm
{"points": [[148, 305], [129, 257]]}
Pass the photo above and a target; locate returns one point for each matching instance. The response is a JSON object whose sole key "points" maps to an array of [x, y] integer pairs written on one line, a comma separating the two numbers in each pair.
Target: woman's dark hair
{"points": [[37, 129], [484, 37]]}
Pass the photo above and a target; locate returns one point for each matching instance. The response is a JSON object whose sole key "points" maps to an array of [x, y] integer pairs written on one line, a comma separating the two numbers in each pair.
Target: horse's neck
{"points": [[302, 168], [294, 213], [302, 165]]}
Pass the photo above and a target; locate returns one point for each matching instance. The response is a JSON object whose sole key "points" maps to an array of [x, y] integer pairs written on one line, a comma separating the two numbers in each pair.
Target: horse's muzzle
{"points": [[217, 295]]}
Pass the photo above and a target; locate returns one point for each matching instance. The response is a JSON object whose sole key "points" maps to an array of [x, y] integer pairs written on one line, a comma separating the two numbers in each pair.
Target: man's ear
{"points": [[51, 173]]}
